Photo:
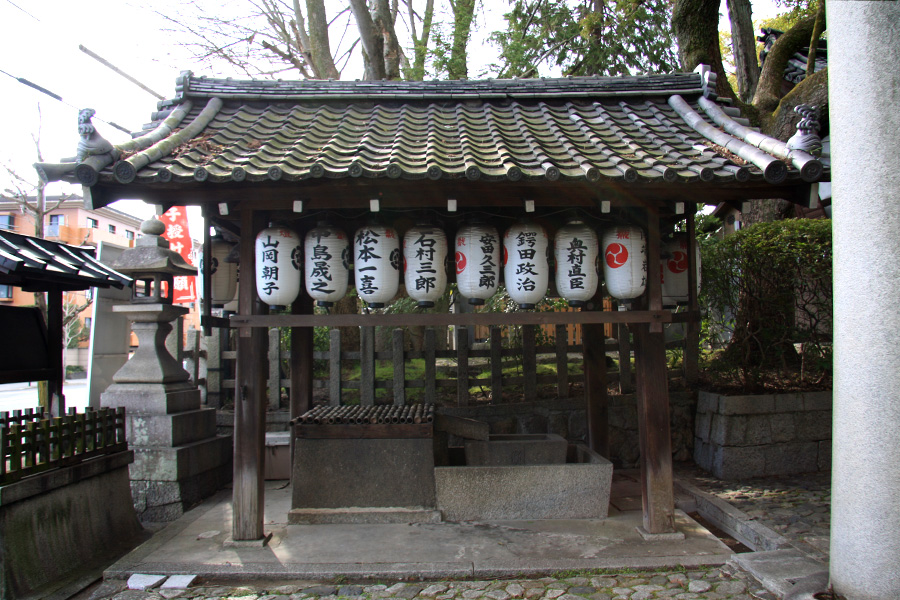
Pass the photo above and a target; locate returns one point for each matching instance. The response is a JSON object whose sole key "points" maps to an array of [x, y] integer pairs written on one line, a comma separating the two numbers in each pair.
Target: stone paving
{"points": [[797, 507]]}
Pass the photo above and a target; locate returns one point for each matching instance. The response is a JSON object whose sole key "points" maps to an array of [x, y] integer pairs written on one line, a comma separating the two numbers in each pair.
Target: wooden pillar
{"points": [[691, 360], [301, 395], [653, 402], [56, 402], [248, 494], [595, 392]]}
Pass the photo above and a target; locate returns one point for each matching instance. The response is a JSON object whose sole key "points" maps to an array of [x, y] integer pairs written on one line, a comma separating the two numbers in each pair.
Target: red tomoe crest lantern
{"points": [[674, 271], [616, 255], [625, 262]]}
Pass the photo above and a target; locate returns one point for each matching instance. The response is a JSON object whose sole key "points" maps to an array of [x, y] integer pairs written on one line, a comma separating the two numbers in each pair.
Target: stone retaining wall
{"points": [[753, 436], [58, 526]]}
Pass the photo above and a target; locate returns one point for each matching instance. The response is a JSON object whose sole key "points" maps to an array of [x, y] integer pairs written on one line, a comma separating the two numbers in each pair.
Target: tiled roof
{"points": [[631, 129], [795, 70], [36, 265]]}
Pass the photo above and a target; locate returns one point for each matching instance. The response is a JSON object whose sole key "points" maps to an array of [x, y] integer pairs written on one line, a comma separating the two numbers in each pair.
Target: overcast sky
{"points": [[40, 43]]}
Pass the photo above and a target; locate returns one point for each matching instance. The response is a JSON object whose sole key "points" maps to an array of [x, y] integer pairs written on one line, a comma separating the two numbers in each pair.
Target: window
{"points": [[92, 223], [7, 222], [129, 234], [87, 323], [6, 292], [55, 222], [112, 228]]}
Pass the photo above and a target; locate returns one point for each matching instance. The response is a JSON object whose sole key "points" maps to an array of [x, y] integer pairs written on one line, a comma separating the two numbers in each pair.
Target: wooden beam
{"points": [[653, 431], [654, 283], [443, 320], [248, 495], [57, 402], [691, 360], [205, 274]]}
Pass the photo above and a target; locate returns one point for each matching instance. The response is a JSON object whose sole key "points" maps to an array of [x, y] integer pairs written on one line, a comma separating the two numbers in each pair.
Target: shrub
{"points": [[767, 290]]}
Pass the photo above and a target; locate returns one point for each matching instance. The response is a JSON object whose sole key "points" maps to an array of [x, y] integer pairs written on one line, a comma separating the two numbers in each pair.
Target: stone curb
{"points": [[731, 520]]}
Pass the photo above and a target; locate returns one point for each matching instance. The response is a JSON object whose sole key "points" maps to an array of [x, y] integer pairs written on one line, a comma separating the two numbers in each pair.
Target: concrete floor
{"points": [[198, 544]]}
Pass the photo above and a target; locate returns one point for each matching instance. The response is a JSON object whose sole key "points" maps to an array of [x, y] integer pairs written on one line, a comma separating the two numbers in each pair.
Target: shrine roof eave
{"points": [[637, 134]]}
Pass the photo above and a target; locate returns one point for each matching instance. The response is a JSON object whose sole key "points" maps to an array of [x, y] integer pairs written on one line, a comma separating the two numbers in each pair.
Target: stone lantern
{"points": [[178, 458]]}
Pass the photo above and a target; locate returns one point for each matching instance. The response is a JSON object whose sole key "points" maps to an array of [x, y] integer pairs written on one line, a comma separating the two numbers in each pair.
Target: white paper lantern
{"points": [[673, 267], [327, 253], [278, 266], [223, 274], [477, 262], [625, 262], [576, 249], [376, 252], [424, 264], [526, 268]]}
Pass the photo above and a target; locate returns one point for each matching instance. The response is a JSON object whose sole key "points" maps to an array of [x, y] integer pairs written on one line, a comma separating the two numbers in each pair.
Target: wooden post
{"points": [[274, 380], [334, 363], [430, 366], [367, 365], [399, 368], [496, 365], [301, 392], [249, 399], [205, 274], [653, 431], [462, 366], [625, 383], [529, 362], [691, 360], [562, 361], [595, 392], [653, 403], [56, 402]]}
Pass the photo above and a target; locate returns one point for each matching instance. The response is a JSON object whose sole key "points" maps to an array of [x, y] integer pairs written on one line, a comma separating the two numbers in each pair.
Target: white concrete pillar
{"points": [[864, 97]]}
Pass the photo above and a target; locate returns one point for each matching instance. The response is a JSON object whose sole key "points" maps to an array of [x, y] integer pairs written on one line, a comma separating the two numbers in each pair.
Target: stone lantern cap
{"points": [[151, 254]]}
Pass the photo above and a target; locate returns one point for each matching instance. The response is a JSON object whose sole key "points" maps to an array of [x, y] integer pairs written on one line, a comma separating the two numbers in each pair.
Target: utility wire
{"points": [[23, 10], [47, 92]]}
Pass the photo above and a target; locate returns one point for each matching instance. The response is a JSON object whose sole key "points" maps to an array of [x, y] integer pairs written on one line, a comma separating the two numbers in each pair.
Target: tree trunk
{"points": [[390, 47], [463, 11], [319, 46], [696, 27], [818, 29], [768, 91], [743, 44], [372, 43], [420, 45]]}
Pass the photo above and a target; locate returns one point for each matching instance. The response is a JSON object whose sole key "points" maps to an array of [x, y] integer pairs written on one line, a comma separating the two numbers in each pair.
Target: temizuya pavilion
{"points": [[638, 150]]}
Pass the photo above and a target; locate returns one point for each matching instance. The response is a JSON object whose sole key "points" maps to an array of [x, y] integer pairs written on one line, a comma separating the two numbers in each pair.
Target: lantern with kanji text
{"points": [[278, 266], [576, 250], [424, 264], [327, 252], [477, 261], [376, 261], [526, 264], [624, 262]]}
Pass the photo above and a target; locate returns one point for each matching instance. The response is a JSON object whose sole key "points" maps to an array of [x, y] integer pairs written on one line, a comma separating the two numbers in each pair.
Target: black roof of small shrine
{"points": [[660, 128], [35, 265]]}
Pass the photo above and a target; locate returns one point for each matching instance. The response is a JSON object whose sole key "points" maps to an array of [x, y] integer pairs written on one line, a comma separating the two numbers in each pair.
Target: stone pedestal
{"points": [[178, 458]]}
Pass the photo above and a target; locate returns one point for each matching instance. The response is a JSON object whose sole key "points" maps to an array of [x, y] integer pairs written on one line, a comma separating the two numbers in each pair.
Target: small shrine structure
{"points": [[641, 152]]}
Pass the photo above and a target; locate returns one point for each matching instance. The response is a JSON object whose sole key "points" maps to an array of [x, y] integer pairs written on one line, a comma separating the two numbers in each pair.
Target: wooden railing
{"points": [[463, 362], [31, 443]]}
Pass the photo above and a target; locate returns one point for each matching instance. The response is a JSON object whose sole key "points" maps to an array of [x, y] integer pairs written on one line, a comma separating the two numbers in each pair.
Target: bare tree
{"points": [[276, 36]]}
